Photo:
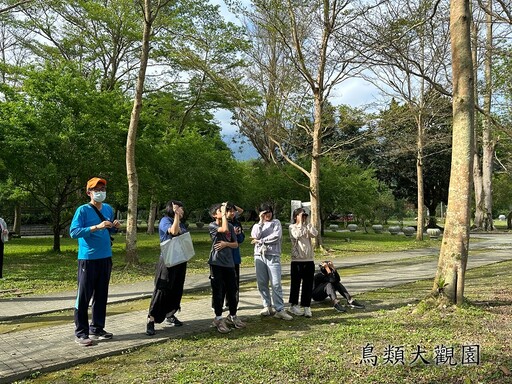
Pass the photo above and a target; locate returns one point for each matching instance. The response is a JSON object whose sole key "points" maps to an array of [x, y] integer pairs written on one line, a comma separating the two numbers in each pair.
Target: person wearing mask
{"points": [[92, 225]]}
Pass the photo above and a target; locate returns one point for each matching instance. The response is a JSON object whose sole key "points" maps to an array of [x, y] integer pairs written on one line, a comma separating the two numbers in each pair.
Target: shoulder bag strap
{"points": [[100, 215]]}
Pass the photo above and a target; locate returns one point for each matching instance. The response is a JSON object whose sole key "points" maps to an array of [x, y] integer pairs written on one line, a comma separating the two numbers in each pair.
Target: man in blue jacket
{"points": [[92, 225]]}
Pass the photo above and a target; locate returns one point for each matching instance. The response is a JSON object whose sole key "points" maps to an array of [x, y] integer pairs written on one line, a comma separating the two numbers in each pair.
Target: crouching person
{"points": [[327, 283]]}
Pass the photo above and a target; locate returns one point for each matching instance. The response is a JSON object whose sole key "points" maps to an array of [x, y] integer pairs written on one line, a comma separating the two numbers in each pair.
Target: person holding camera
{"points": [[222, 267], [302, 267], [267, 236], [327, 282], [169, 281], [234, 219], [92, 225]]}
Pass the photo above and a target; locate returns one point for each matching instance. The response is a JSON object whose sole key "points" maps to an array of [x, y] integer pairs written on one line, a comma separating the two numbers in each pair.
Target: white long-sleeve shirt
{"points": [[269, 235]]}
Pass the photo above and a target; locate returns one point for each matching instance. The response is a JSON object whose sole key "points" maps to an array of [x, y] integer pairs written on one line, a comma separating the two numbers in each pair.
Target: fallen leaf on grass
{"points": [[505, 371]]}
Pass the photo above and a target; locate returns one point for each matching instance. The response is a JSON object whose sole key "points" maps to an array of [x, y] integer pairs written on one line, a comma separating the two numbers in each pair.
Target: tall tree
{"points": [[397, 153], [311, 36], [451, 269], [150, 12], [482, 173], [408, 44]]}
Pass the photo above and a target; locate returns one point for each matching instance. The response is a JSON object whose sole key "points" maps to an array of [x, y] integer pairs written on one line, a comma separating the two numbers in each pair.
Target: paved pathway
{"points": [[53, 348]]}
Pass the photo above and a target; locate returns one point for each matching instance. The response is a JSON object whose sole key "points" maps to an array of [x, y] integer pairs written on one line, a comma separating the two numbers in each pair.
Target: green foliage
{"points": [[348, 188], [269, 183], [396, 158], [501, 198], [58, 132], [199, 170]]}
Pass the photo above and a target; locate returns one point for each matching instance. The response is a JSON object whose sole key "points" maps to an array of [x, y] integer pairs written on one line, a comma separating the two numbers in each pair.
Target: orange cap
{"points": [[94, 181]]}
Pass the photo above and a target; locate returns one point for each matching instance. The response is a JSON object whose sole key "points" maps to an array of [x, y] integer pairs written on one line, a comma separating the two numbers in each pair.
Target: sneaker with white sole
{"points": [[355, 304], [307, 312], [296, 310], [221, 326], [283, 315], [83, 341], [173, 321], [267, 311], [101, 335], [235, 322], [338, 307]]}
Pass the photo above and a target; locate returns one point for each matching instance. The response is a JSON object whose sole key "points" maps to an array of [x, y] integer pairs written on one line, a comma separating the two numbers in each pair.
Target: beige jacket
{"points": [[301, 235]]}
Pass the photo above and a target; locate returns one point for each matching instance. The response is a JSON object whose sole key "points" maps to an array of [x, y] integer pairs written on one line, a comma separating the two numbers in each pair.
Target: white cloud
{"points": [[355, 92]]}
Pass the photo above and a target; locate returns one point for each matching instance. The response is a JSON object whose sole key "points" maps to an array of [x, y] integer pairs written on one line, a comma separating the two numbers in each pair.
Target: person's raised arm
{"points": [[174, 229], [224, 227]]}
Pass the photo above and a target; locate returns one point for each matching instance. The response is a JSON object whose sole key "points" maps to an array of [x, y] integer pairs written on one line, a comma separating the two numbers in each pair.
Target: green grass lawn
{"points": [[399, 325], [31, 267], [328, 348]]}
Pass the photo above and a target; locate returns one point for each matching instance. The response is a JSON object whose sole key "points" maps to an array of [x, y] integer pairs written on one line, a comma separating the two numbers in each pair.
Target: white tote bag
{"points": [[177, 250]]}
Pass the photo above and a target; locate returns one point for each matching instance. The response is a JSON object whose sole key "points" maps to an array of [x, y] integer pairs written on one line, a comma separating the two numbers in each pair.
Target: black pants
{"points": [[1, 258], [323, 290], [220, 278], [93, 281], [301, 271], [166, 299], [237, 272]]}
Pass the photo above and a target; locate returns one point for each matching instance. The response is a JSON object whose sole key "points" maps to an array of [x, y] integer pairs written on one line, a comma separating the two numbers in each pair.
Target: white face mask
{"points": [[99, 197]]}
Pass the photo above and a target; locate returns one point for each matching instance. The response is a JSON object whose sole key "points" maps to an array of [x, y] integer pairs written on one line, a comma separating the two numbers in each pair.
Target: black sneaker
{"points": [[355, 304], [150, 328], [338, 307], [101, 335], [173, 321]]}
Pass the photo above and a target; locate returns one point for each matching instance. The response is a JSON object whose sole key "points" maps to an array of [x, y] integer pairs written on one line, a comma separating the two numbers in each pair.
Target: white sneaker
{"points": [[307, 312], [267, 311], [296, 310], [283, 315]]}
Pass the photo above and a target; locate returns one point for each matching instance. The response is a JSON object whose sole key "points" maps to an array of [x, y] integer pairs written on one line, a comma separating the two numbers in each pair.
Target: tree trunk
{"points": [[454, 249], [419, 176], [421, 219], [131, 171], [152, 216], [314, 176], [56, 228], [477, 169], [487, 140], [16, 227], [478, 221]]}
